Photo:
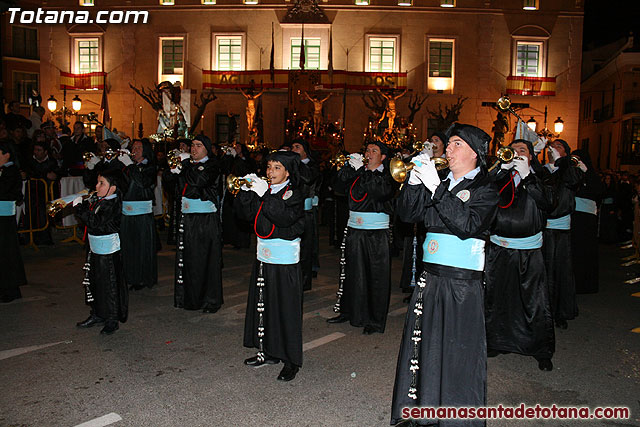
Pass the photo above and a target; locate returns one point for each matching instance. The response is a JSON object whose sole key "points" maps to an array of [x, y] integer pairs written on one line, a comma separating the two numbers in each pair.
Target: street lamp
{"points": [[76, 104], [532, 124], [558, 125], [52, 104]]}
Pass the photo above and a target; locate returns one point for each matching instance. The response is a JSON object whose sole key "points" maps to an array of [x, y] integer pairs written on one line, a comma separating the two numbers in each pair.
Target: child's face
{"points": [[276, 172], [103, 188]]}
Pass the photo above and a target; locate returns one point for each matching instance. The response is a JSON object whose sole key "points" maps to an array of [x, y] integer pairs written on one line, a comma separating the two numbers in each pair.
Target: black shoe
{"points": [[109, 328], [368, 330], [288, 372], [562, 324], [253, 361], [545, 365], [340, 318], [90, 321], [210, 309]]}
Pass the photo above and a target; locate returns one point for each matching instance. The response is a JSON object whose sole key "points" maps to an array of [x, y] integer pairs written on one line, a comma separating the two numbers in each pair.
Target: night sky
{"points": [[606, 21]]}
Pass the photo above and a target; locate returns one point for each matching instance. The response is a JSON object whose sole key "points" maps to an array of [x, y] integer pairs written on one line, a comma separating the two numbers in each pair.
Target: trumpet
{"points": [[56, 206], [339, 160], [399, 169], [174, 160], [504, 155], [109, 154], [504, 105], [574, 160], [234, 183]]}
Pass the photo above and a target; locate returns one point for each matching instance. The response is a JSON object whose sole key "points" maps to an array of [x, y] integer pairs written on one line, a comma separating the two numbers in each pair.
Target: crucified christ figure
{"points": [[251, 107], [390, 109], [317, 111]]}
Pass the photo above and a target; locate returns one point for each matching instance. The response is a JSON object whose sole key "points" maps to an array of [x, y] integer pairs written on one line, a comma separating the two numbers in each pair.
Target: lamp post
{"points": [[52, 105], [558, 127]]}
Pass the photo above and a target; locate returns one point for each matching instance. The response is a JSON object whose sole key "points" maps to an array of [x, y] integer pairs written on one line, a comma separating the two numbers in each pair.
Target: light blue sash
{"points": [[104, 245], [562, 223], [447, 249], [368, 220], [190, 206], [608, 201], [7, 207], [530, 242], [308, 204], [316, 200], [137, 207], [586, 205], [278, 251]]}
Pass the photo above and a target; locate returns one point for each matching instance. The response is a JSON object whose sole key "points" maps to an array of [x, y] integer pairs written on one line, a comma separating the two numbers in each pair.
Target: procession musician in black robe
{"points": [[11, 265], [311, 178], [138, 229], [105, 290], [517, 306], [584, 227], [442, 358], [237, 232], [365, 265], [273, 322], [198, 272], [565, 179]]}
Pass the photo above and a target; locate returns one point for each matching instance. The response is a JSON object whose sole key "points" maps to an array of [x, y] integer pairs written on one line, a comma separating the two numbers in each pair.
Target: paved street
{"points": [[170, 367]]}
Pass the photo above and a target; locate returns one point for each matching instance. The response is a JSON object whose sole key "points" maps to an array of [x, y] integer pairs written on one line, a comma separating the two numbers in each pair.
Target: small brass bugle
{"points": [[339, 160], [574, 160], [400, 170], [504, 155], [56, 206], [234, 183]]}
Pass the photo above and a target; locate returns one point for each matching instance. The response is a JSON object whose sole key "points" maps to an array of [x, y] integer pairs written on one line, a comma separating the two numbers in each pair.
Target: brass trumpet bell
{"points": [[574, 160], [399, 169], [339, 160], [504, 103], [234, 184], [504, 155], [56, 206]]}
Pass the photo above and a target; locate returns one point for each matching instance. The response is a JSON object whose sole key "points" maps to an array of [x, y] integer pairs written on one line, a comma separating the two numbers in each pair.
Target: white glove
{"points": [[429, 176], [421, 158], [428, 149], [232, 152], [184, 156], [251, 178], [175, 170], [356, 160], [259, 186], [522, 167], [92, 163], [507, 166], [582, 166], [414, 176], [553, 155], [125, 159], [539, 145], [77, 201]]}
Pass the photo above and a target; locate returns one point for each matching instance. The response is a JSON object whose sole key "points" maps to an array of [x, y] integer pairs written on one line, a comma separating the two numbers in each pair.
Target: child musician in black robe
{"points": [[273, 322], [11, 264], [198, 273], [365, 271], [137, 230], [442, 359], [565, 179], [517, 305], [105, 290]]}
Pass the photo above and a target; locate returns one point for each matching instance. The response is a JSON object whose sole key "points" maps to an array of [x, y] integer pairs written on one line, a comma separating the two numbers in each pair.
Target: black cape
{"points": [[311, 177], [138, 232], [11, 264]]}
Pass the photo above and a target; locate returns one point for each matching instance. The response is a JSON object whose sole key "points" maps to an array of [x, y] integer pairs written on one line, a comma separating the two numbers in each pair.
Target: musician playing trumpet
{"points": [[94, 165], [198, 270], [517, 306], [365, 271]]}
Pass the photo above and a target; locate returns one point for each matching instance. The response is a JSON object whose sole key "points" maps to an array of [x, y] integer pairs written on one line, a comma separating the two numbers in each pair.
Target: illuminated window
{"points": [[171, 56], [447, 3], [382, 54], [208, 1], [441, 54], [311, 53], [87, 55], [362, 2], [529, 59], [167, 2], [87, 3], [229, 52], [530, 4]]}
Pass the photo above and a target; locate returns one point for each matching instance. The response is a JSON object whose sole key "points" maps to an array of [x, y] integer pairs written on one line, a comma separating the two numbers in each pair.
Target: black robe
{"points": [[279, 217], [367, 275], [517, 306], [584, 236], [309, 244], [106, 283], [198, 276], [138, 232], [37, 196], [451, 355], [236, 231], [11, 264], [73, 149], [609, 216], [557, 243]]}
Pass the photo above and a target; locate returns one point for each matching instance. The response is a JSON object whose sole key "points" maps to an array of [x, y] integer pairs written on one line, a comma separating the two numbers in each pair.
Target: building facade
{"points": [[477, 49], [610, 106]]}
